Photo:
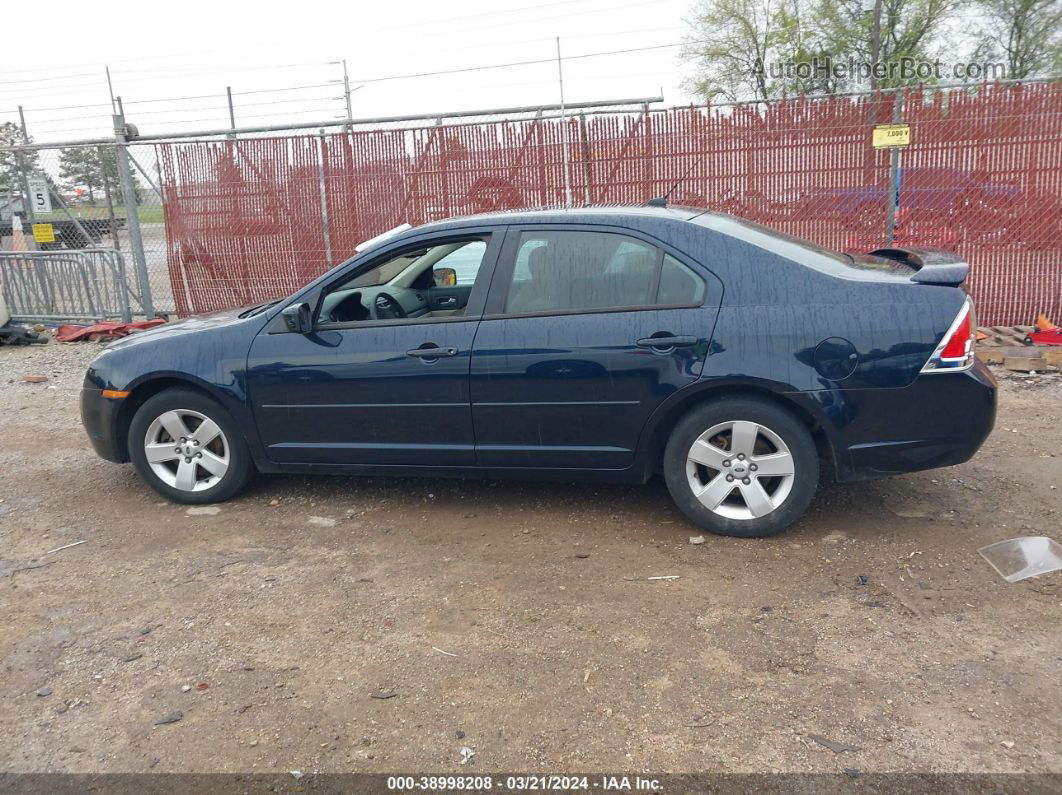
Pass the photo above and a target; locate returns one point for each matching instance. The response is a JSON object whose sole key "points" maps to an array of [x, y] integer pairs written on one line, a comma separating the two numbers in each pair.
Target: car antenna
{"points": [[661, 201]]}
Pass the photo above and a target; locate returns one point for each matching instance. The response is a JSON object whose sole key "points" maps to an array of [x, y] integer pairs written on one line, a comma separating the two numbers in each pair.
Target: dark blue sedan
{"points": [[601, 343]]}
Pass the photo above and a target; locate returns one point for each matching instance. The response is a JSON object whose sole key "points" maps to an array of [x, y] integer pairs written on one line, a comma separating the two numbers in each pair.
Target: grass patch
{"points": [[147, 213]]}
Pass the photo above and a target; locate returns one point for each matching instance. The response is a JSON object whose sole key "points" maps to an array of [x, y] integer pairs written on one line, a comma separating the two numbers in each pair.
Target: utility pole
{"points": [[110, 88], [20, 158], [132, 217], [894, 172], [232, 112], [564, 131], [346, 90], [875, 44]]}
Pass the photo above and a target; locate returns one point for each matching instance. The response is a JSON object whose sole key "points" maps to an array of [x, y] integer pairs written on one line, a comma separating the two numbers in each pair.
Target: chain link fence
{"points": [[224, 219]]}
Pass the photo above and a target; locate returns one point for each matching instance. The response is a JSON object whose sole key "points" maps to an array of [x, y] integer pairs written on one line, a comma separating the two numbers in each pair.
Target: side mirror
{"points": [[298, 318], [444, 277]]}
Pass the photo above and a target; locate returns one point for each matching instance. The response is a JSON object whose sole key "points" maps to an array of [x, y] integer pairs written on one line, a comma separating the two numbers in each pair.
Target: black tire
{"points": [[767, 414], [240, 466]]}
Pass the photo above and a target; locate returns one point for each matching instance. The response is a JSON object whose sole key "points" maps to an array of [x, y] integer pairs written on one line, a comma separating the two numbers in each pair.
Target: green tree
{"points": [[910, 29], [82, 166], [11, 135], [735, 43], [1025, 34], [94, 168]]}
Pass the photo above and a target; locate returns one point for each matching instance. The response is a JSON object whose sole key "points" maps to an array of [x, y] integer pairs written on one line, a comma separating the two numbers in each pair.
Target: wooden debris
{"points": [[1025, 362]]}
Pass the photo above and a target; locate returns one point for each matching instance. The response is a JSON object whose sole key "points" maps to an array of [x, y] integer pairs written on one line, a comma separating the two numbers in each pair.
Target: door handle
{"points": [[432, 352], [449, 301], [668, 341]]}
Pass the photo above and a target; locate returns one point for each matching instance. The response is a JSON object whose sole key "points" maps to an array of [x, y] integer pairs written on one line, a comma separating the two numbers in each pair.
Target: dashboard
{"points": [[383, 302]]}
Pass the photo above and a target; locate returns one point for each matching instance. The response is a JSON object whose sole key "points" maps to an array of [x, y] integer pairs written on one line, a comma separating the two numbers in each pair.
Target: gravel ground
{"points": [[342, 624]]}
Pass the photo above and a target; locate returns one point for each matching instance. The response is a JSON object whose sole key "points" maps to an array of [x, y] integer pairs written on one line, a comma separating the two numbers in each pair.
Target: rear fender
{"points": [[804, 405]]}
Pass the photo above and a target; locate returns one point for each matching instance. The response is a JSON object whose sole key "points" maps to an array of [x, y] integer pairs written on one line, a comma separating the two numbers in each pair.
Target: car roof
{"points": [[613, 214]]}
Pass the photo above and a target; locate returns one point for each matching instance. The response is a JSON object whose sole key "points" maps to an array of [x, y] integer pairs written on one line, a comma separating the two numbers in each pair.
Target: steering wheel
{"points": [[385, 307]]}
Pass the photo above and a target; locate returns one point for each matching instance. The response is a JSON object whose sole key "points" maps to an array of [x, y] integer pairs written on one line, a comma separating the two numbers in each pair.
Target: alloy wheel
{"points": [[186, 450], [740, 469]]}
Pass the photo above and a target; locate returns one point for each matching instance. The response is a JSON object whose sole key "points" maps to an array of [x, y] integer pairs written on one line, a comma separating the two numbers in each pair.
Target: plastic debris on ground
{"points": [[72, 332], [1019, 558]]}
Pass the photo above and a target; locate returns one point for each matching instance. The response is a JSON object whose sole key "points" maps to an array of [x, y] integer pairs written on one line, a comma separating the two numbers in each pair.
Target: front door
{"points": [[586, 333], [383, 377]]}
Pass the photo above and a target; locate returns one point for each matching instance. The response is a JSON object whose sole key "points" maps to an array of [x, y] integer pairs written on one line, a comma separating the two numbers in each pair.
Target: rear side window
{"points": [[565, 271]]}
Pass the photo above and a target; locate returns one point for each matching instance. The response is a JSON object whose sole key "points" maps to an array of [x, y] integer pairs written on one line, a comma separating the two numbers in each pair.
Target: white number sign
{"points": [[40, 198]]}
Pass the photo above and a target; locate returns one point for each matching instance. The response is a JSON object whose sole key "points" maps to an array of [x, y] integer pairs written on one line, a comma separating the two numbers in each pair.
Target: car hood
{"points": [[188, 325]]}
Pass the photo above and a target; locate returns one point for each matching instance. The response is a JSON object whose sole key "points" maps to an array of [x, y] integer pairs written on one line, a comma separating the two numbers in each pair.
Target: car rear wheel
{"points": [[186, 447], [741, 467]]}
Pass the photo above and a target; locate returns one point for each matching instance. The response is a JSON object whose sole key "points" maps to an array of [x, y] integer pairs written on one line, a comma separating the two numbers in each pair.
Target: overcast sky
{"points": [[170, 62]]}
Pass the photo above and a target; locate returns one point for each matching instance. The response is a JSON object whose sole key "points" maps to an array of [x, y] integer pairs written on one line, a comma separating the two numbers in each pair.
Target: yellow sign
{"points": [[887, 136], [44, 233]]}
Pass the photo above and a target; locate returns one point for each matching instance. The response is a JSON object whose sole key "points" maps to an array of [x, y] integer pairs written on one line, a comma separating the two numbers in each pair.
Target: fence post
{"points": [[894, 171], [324, 197], [587, 172], [106, 173], [444, 169], [132, 219], [122, 286]]}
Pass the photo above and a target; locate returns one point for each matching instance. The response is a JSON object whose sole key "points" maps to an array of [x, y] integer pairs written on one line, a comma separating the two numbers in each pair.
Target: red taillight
{"points": [[957, 346], [955, 350]]}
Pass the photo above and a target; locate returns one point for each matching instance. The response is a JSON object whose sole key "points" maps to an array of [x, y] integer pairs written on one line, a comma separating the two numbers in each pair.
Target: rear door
{"points": [[587, 330]]}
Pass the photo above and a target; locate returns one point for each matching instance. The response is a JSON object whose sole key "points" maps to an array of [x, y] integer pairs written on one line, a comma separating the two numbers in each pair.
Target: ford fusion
{"points": [[610, 343]]}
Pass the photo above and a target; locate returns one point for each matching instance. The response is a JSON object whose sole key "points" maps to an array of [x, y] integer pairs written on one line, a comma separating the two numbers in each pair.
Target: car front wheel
{"points": [[187, 448], [741, 467]]}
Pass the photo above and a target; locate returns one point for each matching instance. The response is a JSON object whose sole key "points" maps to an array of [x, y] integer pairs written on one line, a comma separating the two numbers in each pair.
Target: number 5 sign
{"points": [[40, 198]]}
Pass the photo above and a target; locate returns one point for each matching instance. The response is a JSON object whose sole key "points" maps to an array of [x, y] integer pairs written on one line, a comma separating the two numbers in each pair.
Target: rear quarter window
{"points": [[678, 284]]}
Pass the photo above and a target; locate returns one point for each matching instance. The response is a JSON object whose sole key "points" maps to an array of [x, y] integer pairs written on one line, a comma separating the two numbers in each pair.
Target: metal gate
{"points": [[89, 284]]}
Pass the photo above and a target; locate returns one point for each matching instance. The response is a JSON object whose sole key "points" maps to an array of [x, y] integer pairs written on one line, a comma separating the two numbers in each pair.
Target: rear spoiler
{"points": [[932, 265]]}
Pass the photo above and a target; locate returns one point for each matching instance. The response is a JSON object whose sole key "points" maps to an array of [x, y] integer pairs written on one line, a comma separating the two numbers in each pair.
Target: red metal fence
{"points": [[255, 218]]}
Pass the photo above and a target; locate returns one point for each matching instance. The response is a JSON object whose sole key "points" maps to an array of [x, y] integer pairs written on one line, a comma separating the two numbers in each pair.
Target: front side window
{"points": [[435, 280], [564, 271]]}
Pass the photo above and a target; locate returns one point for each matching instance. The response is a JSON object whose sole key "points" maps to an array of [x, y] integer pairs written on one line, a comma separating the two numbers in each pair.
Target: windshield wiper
{"points": [[257, 310]]}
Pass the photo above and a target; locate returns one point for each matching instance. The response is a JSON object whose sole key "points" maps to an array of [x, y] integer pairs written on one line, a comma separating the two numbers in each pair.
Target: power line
{"points": [[36, 121], [448, 20], [67, 107], [547, 18], [78, 88], [334, 83], [224, 68], [434, 22], [220, 97], [126, 80], [47, 79], [213, 95], [519, 63]]}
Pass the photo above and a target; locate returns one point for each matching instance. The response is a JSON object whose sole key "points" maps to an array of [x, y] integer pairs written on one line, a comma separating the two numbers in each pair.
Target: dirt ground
{"points": [[342, 624]]}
